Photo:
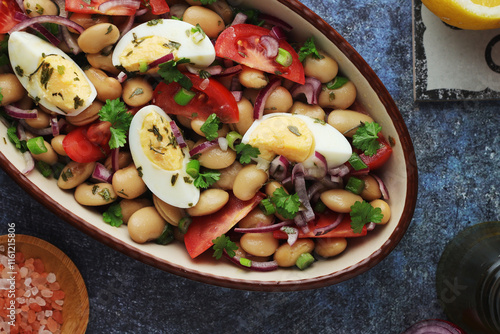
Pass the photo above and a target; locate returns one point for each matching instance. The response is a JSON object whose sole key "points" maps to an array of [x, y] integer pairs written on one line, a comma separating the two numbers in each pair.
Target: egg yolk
{"points": [[63, 84], [145, 50], [159, 143], [287, 136]]}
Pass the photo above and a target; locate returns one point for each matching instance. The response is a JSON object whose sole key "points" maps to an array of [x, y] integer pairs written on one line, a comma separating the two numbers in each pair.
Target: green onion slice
{"points": [[355, 185], [337, 82], [304, 261], [193, 168], [184, 96], [284, 57], [36, 145], [356, 162], [233, 138]]}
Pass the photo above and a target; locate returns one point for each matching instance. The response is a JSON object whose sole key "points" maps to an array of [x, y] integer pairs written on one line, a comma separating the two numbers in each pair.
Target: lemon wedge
{"points": [[467, 14]]}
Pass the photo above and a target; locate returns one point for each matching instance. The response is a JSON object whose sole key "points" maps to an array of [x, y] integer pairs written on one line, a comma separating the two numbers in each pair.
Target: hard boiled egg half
{"points": [[297, 137], [160, 159], [154, 39], [50, 76]]}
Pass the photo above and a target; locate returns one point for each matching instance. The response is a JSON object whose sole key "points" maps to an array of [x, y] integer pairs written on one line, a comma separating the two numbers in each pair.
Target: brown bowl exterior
{"points": [[76, 301], [400, 175]]}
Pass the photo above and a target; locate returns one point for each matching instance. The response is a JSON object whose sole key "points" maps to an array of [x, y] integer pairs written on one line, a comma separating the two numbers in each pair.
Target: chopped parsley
{"points": [[14, 139], [247, 152], [154, 22], [137, 91], [1, 96], [286, 205], [222, 243], [113, 215], [366, 138], [293, 129], [363, 213], [170, 73], [4, 55], [78, 102], [157, 133], [206, 179], [115, 112], [309, 48], [206, 2], [211, 126]]}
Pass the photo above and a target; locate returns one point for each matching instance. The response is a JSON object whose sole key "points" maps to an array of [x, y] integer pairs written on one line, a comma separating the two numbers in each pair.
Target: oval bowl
{"points": [[76, 301], [400, 175]]}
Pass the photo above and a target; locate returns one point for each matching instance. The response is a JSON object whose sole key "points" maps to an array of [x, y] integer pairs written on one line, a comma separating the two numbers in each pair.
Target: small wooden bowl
{"points": [[76, 300]]}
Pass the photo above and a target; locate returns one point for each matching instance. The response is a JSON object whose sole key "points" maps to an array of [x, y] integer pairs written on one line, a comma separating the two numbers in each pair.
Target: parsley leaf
{"points": [[170, 73], [286, 205], [211, 126], [223, 243], [14, 139], [363, 213], [309, 48], [1, 96], [205, 180], [113, 216], [247, 152], [366, 137], [115, 112]]}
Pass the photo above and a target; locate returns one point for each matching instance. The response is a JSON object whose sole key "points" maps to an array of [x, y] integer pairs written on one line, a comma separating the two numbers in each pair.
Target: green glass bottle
{"points": [[468, 279]]}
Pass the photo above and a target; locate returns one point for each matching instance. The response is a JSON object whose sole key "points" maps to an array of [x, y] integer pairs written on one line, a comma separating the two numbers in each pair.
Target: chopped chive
{"points": [[356, 162], [44, 168], [167, 236], [355, 185], [233, 138], [337, 82], [193, 168], [184, 96], [284, 57], [304, 261], [184, 224], [245, 262], [36, 145], [267, 207]]}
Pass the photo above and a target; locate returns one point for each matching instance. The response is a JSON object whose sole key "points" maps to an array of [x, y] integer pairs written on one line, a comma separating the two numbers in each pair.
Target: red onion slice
{"points": [[161, 60], [341, 170], [128, 25], [279, 168], [328, 228], [203, 146], [54, 124], [178, 134], [38, 132], [320, 166], [271, 45], [230, 71], [238, 94], [311, 89], [212, 70], [434, 326], [204, 84], [301, 190], [47, 19], [101, 173], [292, 234], [278, 33], [106, 6], [19, 113], [223, 143], [115, 163], [270, 19], [263, 229], [239, 18], [257, 266], [383, 188], [28, 158], [121, 77], [264, 93]]}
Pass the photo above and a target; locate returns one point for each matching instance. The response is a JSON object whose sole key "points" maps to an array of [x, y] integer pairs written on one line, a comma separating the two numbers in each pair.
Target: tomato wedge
{"points": [[214, 98], [380, 157], [204, 229], [80, 148], [8, 9], [241, 43], [92, 7], [158, 7], [343, 230]]}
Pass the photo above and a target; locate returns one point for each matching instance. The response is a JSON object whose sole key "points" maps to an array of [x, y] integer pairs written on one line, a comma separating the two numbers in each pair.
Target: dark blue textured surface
{"points": [[456, 144]]}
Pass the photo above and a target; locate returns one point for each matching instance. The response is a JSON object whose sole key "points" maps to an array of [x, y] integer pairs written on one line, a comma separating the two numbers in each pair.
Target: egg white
{"points": [[182, 194], [328, 141], [26, 52], [201, 53]]}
